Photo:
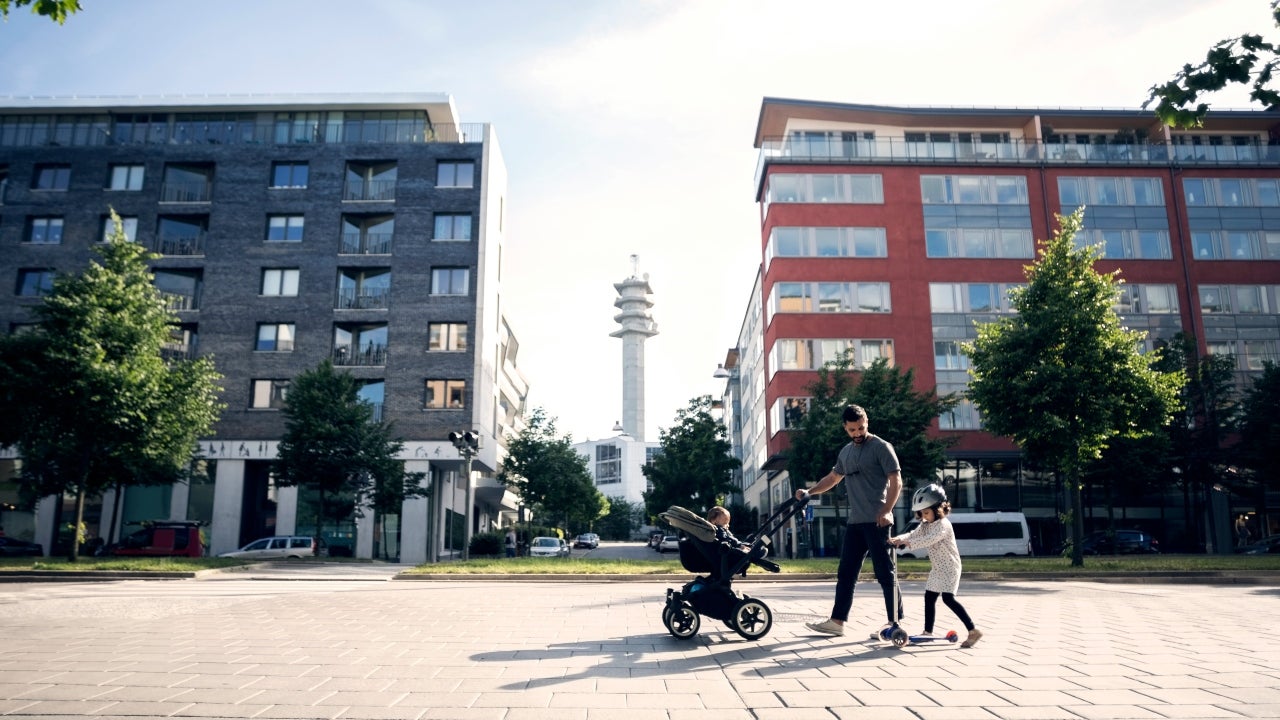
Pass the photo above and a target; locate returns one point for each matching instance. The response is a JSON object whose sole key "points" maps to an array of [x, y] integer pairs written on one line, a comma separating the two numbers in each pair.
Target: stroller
{"points": [[713, 595]]}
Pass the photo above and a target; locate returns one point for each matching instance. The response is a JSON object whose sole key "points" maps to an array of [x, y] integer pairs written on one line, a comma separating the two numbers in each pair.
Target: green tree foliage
{"points": [[1063, 377], [333, 446], [1260, 427], [1245, 60], [56, 10], [896, 411], [696, 466], [550, 476], [89, 400], [622, 519]]}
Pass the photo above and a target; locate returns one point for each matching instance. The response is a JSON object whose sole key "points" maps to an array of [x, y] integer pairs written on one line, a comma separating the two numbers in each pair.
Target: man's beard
{"points": [[859, 440]]}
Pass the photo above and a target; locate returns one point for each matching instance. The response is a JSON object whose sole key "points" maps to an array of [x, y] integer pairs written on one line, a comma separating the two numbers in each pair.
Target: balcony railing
{"points": [[359, 356], [899, 150], [185, 192], [183, 132], [178, 352], [374, 243], [179, 301], [370, 298], [370, 190], [178, 245]]}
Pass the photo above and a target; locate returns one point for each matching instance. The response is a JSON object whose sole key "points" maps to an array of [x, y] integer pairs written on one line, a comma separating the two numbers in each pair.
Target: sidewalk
{"points": [[224, 646]]}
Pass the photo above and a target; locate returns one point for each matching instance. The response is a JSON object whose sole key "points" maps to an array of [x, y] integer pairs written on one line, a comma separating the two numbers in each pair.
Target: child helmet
{"points": [[927, 497]]}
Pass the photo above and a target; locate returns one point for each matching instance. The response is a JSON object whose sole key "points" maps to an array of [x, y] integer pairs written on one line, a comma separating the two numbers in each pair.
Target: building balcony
{"points": [[374, 243], [359, 356], [186, 192], [370, 191], [801, 150], [178, 245], [176, 302], [374, 298]]}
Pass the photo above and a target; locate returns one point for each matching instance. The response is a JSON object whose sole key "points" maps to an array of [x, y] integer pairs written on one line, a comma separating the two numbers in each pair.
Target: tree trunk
{"points": [[1077, 519], [74, 554]]}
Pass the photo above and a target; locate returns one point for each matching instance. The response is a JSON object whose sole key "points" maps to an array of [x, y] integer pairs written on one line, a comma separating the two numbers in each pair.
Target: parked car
{"points": [[1266, 546], [1124, 542], [289, 547], [591, 541], [160, 538], [13, 547], [670, 543], [548, 547], [983, 533]]}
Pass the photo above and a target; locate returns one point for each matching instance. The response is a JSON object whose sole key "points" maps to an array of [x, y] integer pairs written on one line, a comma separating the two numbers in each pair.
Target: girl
{"points": [[935, 534]]}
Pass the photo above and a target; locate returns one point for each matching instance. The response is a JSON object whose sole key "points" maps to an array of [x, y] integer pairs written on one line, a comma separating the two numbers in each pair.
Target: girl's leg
{"points": [[950, 601], [930, 608]]}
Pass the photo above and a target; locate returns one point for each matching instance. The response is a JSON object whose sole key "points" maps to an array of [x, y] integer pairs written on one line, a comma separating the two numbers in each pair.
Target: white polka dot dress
{"points": [[939, 539]]}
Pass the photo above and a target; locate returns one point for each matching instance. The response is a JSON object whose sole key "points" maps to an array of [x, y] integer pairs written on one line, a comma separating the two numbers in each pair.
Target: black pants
{"points": [[948, 599], [861, 540]]}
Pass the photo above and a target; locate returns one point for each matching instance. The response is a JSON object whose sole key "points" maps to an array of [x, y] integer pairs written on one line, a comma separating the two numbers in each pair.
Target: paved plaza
{"points": [[367, 647]]}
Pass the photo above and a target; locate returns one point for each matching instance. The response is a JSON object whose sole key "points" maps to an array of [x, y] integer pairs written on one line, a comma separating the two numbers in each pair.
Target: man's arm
{"points": [[823, 485], [891, 494]]}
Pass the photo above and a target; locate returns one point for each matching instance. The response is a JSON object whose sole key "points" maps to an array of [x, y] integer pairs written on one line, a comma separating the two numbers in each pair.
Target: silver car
{"points": [[290, 547]]}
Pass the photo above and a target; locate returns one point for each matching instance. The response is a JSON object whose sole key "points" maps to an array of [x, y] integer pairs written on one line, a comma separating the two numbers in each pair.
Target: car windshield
{"points": [[546, 542]]}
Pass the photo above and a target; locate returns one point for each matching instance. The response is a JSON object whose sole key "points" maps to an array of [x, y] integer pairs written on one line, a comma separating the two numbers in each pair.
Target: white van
{"points": [[983, 533]]}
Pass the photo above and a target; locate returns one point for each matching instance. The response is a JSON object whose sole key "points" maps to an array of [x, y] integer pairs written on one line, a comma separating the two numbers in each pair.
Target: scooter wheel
{"points": [[952, 636], [899, 637]]}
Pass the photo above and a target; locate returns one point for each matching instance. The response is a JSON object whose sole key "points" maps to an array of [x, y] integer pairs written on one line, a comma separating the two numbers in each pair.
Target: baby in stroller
{"points": [[709, 547]]}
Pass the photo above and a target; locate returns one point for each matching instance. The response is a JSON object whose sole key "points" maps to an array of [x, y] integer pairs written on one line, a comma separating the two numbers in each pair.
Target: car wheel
{"points": [[751, 618], [682, 622]]}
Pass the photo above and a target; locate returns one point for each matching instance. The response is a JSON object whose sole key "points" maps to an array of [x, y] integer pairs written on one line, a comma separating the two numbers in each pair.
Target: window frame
{"points": [[447, 337], [447, 175], [444, 389], [282, 285]]}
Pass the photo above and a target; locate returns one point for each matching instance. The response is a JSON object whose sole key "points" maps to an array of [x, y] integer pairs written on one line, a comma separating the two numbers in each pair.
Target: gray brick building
{"points": [[363, 228]]}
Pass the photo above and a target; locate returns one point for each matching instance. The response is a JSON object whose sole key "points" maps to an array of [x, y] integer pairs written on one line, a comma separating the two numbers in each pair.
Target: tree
{"points": [[549, 475], [333, 446], [622, 519], [1063, 377], [56, 10], [90, 400], [1245, 60], [1260, 429], [696, 466], [896, 411]]}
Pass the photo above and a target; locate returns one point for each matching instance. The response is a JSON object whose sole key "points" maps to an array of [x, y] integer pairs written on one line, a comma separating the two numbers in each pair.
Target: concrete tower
{"points": [[636, 326]]}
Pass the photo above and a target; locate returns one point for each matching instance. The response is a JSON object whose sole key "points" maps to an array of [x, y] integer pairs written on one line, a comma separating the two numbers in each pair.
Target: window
{"points": [[947, 356], [363, 289], [830, 297], [608, 464], [125, 177], [44, 230], [788, 354], [182, 343], [1128, 244], [280, 282], [370, 181], [788, 412], [455, 174], [825, 188], [128, 224], [452, 226], [284, 228], [180, 234], [51, 177], [947, 298], [179, 288], [269, 394], [826, 242], [445, 394], [446, 337], [289, 174], [187, 183], [275, 337], [34, 282], [978, 243], [450, 281], [367, 234], [973, 190], [360, 344]]}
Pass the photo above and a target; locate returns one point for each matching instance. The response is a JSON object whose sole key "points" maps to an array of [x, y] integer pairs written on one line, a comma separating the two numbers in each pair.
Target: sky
{"points": [[627, 126]]}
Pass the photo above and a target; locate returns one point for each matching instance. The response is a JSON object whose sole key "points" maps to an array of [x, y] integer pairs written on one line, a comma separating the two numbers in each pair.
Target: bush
{"points": [[489, 543]]}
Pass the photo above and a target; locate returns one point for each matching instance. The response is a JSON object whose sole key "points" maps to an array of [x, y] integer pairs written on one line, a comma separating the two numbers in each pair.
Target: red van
{"points": [[161, 538]]}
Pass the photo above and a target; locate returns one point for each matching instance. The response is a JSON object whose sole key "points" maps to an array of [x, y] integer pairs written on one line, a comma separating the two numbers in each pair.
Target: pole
{"points": [[466, 536]]}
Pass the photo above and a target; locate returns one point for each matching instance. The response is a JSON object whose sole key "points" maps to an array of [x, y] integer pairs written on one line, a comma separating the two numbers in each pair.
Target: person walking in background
{"points": [[936, 536], [1242, 531], [869, 469], [511, 542]]}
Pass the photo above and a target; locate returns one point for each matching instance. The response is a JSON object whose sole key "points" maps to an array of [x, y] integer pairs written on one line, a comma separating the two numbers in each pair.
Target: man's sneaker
{"points": [[828, 627], [974, 636]]}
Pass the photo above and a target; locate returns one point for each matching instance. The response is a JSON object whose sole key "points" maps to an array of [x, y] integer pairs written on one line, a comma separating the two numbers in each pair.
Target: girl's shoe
{"points": [[974, 636]]}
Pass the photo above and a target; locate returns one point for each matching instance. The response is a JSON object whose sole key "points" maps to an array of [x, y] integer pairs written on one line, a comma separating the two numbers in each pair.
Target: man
{"points": [[869, 468], [511, 542]]}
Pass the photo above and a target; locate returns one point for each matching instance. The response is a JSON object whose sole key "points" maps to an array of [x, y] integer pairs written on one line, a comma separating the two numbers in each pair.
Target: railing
{"points": [[178, 245], [185, 192], [370, 190], [179, 301], [359, 356], [363, 298], [899, 150], [178, 352], [183, 132], [374, 243]]}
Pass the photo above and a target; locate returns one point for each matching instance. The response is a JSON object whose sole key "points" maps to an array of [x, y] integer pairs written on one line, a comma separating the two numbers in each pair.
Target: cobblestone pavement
{"points": [[232, 647]]}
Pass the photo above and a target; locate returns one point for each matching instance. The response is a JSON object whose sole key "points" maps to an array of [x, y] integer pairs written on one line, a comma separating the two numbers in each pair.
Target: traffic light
{"points": [[465, 441]]}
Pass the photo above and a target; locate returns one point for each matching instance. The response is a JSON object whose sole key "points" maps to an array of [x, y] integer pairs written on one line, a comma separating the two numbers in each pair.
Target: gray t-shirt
{"points": [[866, 469]]}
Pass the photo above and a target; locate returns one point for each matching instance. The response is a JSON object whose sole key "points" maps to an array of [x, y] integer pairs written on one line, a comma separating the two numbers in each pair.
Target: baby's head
{"points": [[718, 516]]}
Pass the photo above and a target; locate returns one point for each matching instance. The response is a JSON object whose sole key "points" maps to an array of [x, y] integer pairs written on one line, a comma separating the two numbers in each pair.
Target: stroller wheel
{"points": [[682, 622], [751, 618]]}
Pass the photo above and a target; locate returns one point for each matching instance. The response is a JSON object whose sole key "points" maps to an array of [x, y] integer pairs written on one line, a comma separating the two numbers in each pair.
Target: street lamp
{"points": [[468, 444]]}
